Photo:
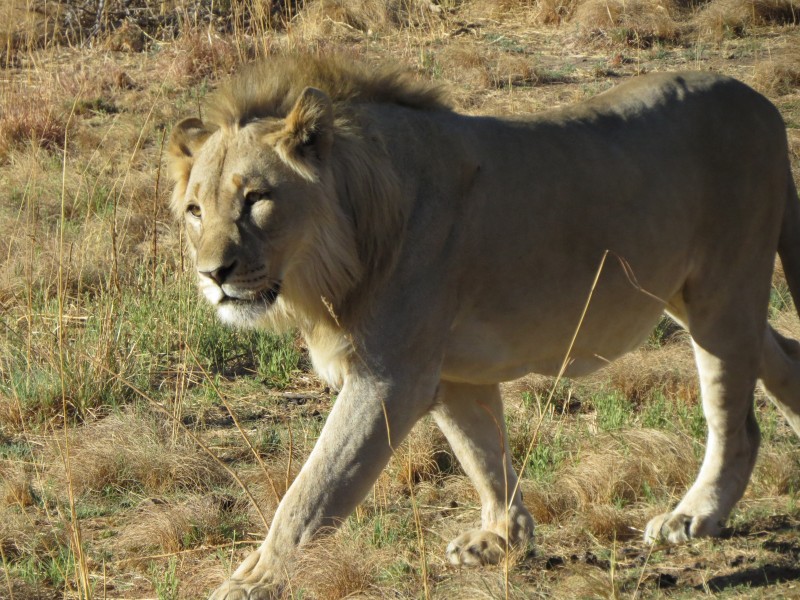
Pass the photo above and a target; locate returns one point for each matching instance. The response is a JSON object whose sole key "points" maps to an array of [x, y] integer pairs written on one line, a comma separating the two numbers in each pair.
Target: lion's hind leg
{"points": [[727, 348], [780, 374], [471, 418]]}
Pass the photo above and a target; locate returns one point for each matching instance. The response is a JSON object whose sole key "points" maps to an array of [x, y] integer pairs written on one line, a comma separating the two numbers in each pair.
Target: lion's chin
{"points": [[247, 312], [242, 315]]}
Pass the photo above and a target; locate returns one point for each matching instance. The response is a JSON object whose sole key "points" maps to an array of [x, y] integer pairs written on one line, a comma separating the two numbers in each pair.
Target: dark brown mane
{"points": [[269, 88]]}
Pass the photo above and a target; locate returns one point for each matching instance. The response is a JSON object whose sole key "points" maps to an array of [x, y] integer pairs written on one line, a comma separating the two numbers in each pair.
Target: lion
{"points": [[426, 256]]}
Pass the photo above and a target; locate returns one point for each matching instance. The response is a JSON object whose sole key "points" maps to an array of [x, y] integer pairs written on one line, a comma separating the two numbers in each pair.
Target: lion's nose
{"points": [[220, 274]]}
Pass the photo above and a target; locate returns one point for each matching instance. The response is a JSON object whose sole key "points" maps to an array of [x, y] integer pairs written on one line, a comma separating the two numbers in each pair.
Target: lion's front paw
{"points": [[475, 548], [238, 590], [677, 528]]}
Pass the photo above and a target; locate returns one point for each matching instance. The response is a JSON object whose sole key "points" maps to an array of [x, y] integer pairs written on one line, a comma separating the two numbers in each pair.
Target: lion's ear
{"points": [[186, 139], [307, 136]]}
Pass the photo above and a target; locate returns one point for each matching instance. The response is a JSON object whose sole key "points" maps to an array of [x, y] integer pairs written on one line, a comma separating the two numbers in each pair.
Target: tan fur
{"points": [[427, 256]]}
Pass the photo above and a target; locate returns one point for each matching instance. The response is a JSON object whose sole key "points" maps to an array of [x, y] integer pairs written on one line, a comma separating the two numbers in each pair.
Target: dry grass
{"points": [[31, 117], [669, 370], [157, 526], [639, 22], [268, 488], [133, 452], [199, 54], [340, 17], [16, 488], [424, 457], [341, 566], [780, 74], [775, 474], [627, 468], [722, 18]]}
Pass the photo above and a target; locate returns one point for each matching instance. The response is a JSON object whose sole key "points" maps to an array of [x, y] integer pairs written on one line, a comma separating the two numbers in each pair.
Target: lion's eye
{"points": [[254, 196], [194, 210]]}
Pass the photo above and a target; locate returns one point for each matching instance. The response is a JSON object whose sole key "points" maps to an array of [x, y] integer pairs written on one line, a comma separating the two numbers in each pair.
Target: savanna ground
{"points": [[144, 448]]}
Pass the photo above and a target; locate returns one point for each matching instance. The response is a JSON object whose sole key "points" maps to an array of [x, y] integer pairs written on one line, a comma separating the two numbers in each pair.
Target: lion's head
{"points": [[287, 203]]}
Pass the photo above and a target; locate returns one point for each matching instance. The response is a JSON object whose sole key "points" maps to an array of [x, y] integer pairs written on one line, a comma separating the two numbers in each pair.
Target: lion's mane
{"points": [[347, 255]]}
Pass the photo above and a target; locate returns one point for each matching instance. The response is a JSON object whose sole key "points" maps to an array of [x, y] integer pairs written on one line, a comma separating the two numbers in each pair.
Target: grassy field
{"points": [[144, 447]]}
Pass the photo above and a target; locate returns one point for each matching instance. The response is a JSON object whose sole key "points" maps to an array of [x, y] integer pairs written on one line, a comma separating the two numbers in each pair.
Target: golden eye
{"points": [[194, 210], [254, 196]]}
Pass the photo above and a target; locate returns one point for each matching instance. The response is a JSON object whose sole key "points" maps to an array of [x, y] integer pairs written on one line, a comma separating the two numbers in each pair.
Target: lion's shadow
{"points": [[753, 577], [785, 568]]}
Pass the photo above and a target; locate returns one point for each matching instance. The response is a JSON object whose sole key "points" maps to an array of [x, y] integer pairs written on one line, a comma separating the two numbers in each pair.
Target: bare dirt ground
{"points": [[124, 407]]}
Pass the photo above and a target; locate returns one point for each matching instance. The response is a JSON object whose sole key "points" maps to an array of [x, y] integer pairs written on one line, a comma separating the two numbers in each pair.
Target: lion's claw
{"points": [[678, 528]]}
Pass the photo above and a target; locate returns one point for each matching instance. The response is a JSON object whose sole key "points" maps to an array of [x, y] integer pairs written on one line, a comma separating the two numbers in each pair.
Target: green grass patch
{"points": [[614, 411], [139, 338]]}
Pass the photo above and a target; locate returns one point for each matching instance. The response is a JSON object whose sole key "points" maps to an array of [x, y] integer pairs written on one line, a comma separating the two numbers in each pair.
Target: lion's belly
{"points": [[482, 351]]}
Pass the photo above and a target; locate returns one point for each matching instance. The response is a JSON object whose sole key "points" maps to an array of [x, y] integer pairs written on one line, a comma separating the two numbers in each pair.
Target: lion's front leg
{"points": [[471, 418], [368, 420]]}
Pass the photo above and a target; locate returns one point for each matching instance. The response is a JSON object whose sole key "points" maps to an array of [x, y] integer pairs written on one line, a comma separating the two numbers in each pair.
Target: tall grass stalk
{"points": [[562, 370], [81, 566], [548, 403], [419, 530], [5, 572]]}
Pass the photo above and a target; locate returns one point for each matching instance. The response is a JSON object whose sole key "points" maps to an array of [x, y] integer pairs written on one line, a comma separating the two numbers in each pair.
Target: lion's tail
{"points": [[789, 242]]}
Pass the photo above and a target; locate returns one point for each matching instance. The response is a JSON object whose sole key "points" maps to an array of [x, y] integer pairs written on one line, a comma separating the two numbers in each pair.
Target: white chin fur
{"points": [[241, 315], [238, 315]]}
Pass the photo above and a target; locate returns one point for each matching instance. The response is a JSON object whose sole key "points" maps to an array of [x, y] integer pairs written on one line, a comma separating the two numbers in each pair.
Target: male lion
{"points": [[426, 256]]}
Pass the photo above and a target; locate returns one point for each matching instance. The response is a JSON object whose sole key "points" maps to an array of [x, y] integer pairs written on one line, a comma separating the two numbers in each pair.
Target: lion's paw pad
{"points": [[476, 548], [677, 528]]}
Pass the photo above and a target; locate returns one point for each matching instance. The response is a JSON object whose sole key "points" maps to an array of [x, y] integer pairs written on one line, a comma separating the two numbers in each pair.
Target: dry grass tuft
{"points": [[554, 12], [15, 486], [325, 18], [79, 80], [608, 522], [268, 489], [17, 531], [781, 75], [619, 469], [586, 582], [30, 117], [669, 370], [638, 22], [23, 533], [198, 54], [733, 17], [532, 384], [787, 323], [340, 566], [775, 474], [424, 456], [133, 452], [158, 526], [11, 414], [24, 28]]}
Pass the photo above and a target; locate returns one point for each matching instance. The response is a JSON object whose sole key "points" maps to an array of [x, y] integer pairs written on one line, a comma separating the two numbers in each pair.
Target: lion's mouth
{"points": [[271, 294], [265, 297]]}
